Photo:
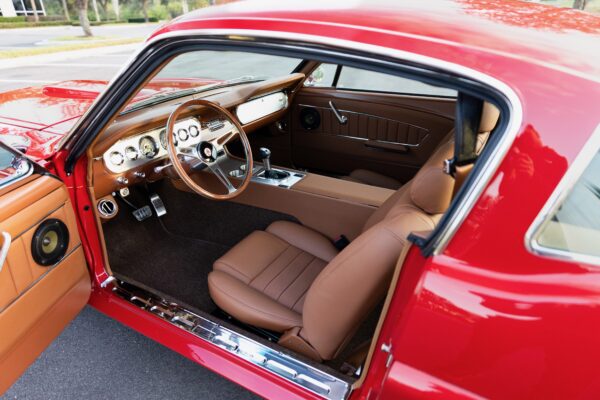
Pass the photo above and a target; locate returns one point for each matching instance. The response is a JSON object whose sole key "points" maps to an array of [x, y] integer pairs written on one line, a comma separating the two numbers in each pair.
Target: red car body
{"points": [[485, 318]]}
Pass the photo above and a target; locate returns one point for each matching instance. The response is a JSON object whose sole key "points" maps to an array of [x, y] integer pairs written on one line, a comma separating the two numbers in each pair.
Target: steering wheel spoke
{"points": [[222, 176]]}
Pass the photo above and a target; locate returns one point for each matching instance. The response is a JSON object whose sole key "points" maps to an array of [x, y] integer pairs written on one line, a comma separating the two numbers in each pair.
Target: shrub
{"points": [[141, 20], [11, 19]]}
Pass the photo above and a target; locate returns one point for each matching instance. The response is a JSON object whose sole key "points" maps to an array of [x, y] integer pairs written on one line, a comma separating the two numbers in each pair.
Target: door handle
{"points": [[342, 119], [4, 249]]}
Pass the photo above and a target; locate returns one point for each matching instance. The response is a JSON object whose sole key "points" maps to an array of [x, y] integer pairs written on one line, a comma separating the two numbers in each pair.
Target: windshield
{"points": [[200, 70]]}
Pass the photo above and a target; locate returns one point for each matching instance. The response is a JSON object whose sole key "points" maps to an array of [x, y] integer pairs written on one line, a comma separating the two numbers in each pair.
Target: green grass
{"points": [[64, 47]]}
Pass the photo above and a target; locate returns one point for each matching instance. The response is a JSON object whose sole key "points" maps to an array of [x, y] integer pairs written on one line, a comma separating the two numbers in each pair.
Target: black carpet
{"points": [[175, 253], [98, 358]]}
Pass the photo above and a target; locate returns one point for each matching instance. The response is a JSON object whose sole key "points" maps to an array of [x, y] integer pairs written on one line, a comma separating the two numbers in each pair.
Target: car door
{"points": [[347, 118], [44, 280]]}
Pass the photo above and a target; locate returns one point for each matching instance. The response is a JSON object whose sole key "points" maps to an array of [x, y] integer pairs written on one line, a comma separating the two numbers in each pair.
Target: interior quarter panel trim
{"points": [[556, 199]]}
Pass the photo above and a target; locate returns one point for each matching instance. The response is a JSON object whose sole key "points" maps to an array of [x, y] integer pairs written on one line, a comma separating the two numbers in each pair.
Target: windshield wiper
{"points": [[162, 97]]}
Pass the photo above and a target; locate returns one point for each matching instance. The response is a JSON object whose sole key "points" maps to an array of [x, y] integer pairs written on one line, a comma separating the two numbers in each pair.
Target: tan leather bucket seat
{"points": [[292, 280]]}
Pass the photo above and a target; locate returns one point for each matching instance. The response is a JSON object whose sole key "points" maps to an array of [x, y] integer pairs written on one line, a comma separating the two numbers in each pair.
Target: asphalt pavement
{"points": [[98, 358]]}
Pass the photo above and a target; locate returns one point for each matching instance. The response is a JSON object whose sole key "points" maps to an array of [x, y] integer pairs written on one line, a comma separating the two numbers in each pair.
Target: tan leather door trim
{"points": [[36, 302]]}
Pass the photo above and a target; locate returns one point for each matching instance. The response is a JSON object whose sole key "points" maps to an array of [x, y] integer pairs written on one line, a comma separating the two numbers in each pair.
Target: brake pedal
{"points": [[142, 213], [158, 205]]}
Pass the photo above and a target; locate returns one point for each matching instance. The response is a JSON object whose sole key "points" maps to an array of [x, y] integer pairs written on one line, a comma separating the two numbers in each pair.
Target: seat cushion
{"points": [[373, 179], [263, 280]]}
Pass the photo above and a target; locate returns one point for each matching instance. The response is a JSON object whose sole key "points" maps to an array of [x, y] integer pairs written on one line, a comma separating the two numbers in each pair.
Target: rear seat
{"points": [[489, 118]]}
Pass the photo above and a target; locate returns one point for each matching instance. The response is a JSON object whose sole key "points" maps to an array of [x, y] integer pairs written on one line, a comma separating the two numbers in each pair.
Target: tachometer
{"points": [[148, 147], [163, 139]]}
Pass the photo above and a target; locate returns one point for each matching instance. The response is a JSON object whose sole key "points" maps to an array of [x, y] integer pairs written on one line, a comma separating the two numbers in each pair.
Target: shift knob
{"points": [[265, 155], [264, 152]]}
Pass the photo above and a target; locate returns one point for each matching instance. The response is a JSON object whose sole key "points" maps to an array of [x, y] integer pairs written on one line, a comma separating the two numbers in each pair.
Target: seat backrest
{"points": [[352, 284], [356, 280]]}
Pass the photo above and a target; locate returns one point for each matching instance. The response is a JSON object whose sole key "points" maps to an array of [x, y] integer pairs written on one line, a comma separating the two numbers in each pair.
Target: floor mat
{"points": [[174, 254]]}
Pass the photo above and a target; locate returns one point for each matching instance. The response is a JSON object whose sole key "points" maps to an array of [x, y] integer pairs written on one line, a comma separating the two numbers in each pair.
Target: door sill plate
{"points": [[278, 363]]}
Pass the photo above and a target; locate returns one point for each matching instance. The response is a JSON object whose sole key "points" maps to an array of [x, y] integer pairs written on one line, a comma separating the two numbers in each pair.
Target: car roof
{"points": [[564, 39]]}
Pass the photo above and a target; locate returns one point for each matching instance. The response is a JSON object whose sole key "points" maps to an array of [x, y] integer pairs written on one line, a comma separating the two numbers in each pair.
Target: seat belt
{"points": [[468, 117]]}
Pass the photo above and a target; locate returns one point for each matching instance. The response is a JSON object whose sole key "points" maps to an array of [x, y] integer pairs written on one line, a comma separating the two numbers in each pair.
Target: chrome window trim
{"points": [[491, 163], [11, 181], [556, 199]]}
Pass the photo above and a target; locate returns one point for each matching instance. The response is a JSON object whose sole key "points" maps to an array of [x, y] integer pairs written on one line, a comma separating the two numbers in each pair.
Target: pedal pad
{"points": [[158, 205], [142, 213]]}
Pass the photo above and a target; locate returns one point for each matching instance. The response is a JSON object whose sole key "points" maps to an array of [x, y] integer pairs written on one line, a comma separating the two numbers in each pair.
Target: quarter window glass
{"points": [[575, 225], [11, 166], [322, 76], [360, 79]]}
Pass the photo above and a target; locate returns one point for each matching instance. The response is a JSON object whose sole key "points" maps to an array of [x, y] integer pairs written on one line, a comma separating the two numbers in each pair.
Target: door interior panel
{"points": [[387, 133], [36, 301]]}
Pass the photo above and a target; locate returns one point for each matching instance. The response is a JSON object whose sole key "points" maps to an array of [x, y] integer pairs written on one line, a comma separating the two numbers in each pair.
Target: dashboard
{"points": [[137, 150], [133, 148]]}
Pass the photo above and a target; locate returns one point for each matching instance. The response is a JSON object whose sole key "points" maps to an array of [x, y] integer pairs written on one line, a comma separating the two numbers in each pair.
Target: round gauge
{"points": [[148, 147], [182, 134], [116, 158], [194, 132], [131, 153], [163, 139]]}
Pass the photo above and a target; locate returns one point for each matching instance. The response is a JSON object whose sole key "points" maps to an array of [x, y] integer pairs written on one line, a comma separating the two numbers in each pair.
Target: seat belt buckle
{"points": [[341, 242]]}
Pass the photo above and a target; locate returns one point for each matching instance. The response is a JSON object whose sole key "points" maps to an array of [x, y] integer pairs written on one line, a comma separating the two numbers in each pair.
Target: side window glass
{"points": [[574, 225], [12, 166], [360, 79], [323, 76]]}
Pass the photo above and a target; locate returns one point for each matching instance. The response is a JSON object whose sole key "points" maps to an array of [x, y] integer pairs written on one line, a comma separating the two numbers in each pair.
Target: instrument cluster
{"points": [[136, 150]]}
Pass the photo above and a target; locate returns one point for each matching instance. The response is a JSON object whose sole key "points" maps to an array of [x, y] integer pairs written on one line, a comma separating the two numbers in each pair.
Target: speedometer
{"points": [[148, 147]]}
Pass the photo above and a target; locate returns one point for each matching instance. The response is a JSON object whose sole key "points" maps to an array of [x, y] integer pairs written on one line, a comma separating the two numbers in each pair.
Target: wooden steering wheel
{"points": [[209, 151]]}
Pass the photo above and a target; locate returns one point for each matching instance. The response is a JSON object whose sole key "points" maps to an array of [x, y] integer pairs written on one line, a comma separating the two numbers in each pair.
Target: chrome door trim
{"points": [[7, 239]]}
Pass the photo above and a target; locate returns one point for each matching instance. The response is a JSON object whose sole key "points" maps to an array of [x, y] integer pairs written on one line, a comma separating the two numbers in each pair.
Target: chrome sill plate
{"points": [[278, 363]]}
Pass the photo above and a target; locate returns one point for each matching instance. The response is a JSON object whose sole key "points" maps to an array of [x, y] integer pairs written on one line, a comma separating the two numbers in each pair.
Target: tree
{"points": [[82, 6], [145, 10], [34, 8], [95, 5], [66, 10], [579, 4]]}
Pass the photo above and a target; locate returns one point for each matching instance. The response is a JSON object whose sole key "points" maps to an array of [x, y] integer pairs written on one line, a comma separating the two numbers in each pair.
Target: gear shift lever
{"points": [[265, 156], [270, 173]]}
